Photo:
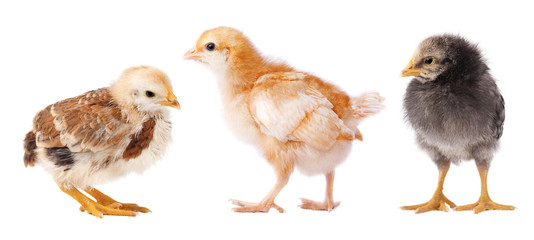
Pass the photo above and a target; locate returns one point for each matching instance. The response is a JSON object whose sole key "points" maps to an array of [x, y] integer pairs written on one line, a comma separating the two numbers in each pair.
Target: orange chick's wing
{"points": [[285, 107]]}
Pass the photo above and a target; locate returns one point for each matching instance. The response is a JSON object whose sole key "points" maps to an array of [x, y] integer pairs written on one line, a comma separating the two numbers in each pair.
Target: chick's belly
{"points": [[311, 161], [453, 150], [92, 169], [84, 172], [454, 153]]}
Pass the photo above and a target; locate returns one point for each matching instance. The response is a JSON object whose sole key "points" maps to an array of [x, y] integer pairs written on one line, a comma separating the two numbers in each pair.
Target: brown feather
{"points": [[140, 141], [45, 130], [89, 122], [29, 149]]}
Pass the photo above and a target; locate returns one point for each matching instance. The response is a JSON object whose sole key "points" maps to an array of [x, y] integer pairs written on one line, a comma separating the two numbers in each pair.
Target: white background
{"points": [[52, 50]]}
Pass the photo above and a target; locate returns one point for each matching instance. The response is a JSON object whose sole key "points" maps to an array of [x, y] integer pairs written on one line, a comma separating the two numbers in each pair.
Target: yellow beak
{"points": [[171, 100], [410, 71]]}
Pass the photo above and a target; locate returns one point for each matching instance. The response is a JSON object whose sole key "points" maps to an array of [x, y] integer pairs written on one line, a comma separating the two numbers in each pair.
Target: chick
{"points": [[294, 118], [457, 112], [103, 134]]}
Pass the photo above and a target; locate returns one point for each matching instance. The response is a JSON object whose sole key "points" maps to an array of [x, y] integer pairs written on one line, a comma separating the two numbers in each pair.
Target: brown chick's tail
{"points": [[366, 105], [29, 149]]}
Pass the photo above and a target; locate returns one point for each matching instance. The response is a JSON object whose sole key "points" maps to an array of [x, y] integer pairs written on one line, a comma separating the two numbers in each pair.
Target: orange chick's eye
{"points": [[210, 46]]}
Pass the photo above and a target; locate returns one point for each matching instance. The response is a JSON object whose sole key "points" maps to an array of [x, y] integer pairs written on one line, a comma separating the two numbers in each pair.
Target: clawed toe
{"points": [[318, 206], [99, 210], [437, 203], [254, 207], [129, 207], [484, 205], [133, 207]]}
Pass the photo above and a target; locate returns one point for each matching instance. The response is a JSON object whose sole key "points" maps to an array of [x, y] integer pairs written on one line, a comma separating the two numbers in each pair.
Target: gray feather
{"points": [[458, 112]]}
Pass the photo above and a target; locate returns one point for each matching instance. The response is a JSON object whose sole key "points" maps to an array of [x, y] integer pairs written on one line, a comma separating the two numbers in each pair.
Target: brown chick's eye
{"points": [[150, 94], [210, 46], [429, 60]]}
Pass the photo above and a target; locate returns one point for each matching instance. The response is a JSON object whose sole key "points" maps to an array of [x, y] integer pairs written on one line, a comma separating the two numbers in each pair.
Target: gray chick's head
{"points": [[446, 57]]}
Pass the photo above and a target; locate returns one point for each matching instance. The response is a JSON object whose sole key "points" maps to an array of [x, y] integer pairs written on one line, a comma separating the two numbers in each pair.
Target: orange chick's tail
{"points": [[366, 105]]}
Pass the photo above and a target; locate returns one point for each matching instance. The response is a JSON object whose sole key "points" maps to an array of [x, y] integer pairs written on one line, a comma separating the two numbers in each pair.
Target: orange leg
{"points": [[484, 203], [94, 208], [438, 200], [328, 203], [267, 202]]}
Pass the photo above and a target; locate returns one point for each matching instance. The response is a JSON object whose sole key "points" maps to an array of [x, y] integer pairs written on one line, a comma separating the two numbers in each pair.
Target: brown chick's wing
{"points": [[87, 123], [285, 107]]}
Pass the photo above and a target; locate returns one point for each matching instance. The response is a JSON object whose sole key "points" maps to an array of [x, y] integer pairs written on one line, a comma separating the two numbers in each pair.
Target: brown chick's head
{"points": [[146, 88], [221, 48]]}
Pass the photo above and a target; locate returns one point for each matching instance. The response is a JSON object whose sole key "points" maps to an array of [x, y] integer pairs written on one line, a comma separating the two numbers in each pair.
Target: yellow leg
{"points": [[268, 201], [93, 207], [438, 200], [484, 202], [328, 203], [105, 200]]}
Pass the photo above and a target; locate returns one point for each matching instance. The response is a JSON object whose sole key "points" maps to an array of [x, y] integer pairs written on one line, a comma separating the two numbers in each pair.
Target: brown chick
{"points": [[294, 118], [103, 134]]}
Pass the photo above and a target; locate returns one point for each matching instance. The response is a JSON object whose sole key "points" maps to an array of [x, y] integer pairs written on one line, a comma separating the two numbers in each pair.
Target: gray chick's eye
{"points": [[429, 60], [210, 46], [150, 94]]}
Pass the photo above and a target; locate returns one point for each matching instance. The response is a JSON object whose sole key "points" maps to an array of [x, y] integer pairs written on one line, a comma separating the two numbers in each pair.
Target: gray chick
{"points": [[457, 112]]}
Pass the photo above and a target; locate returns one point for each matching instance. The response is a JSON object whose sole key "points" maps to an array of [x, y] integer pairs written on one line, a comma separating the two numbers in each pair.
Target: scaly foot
{"points": [[133, 207], [483, 205], [99, 210], [94, 208], [123, 206], [319, 206], [254, 207], [107, 201], [438, 202]]}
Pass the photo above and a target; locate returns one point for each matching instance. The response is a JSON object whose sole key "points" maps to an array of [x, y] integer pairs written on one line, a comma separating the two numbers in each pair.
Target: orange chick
{"points": [[294, 118]]}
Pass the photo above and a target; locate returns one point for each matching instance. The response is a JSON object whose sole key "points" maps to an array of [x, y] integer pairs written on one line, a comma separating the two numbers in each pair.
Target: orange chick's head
{"points": [[221, 48], [146, 88]]}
